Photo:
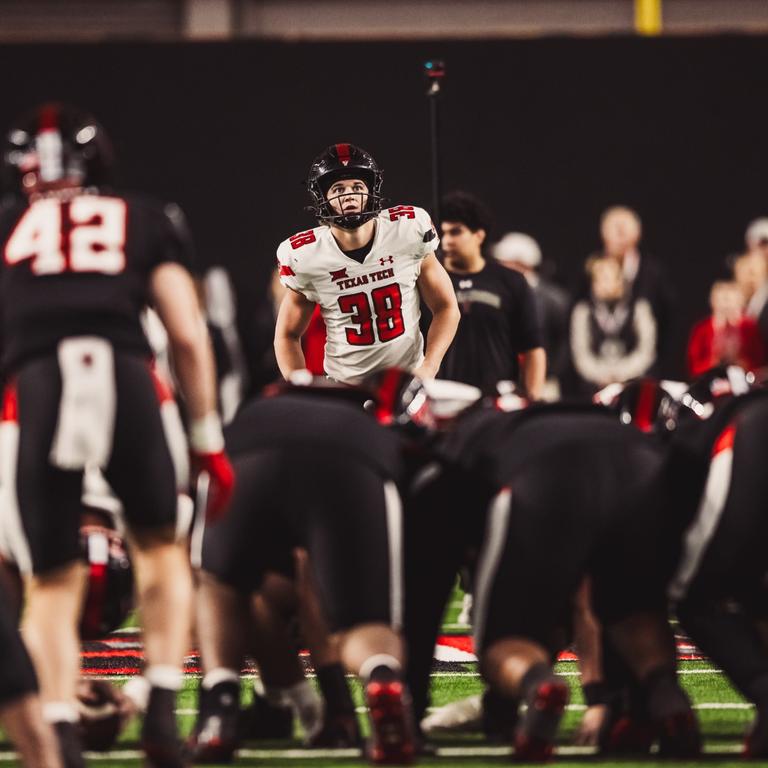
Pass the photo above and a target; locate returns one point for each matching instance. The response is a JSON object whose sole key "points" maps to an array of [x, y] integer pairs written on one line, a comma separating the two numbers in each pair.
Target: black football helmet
{"points": [[344, 161], [644, 403], [54, 147], [109, 595]]}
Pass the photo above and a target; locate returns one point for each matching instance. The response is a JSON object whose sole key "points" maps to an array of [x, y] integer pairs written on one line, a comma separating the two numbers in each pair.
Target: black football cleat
{"points": [[535, 735], [70, 746], [159, 733], [338, 732], [679, 736], [626, 735], [216, 735], [263, 721], [392, 739], [756, 743]]}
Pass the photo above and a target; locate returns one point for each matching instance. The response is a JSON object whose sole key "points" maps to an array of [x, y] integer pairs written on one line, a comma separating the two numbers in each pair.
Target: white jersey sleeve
{"points": [[290, 264]]}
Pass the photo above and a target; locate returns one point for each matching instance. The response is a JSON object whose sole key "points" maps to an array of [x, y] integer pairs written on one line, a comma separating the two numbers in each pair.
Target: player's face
{"points": [[348, 196], [459, 241]]}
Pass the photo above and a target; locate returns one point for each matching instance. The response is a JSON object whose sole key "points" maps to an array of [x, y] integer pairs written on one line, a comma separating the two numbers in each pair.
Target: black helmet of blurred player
{"points": [[644, 403], [54, 147], [417, 406], [109, 595], [713, 389], [338, 163]]}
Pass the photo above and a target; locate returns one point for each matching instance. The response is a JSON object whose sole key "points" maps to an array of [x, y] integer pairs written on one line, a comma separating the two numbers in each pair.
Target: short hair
{"points": [[467, 210]]}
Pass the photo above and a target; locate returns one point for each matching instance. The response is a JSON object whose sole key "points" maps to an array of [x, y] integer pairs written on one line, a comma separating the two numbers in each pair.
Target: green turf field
{"points": [[722, 712]]}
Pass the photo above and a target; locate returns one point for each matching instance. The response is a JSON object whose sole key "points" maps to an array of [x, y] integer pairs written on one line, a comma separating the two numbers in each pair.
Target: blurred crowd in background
{"points": [[613, 327]]}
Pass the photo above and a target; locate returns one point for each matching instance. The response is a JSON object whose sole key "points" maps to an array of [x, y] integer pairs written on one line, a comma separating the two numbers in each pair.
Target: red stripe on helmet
{"points": [[387, 396], [644, 412], [49, 118], [93, 611], [342, 150]]}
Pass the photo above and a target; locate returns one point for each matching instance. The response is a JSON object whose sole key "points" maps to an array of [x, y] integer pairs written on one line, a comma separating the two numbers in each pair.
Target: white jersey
{"points": [[371, 309]]}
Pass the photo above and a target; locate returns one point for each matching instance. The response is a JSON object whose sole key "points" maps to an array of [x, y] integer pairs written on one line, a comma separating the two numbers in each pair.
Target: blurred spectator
{"points": [[521, 252], [727, 336], [220, 307], [756, 236], [263, 364], [750, 271], [613, 335], [498, 335], [644, 277]]}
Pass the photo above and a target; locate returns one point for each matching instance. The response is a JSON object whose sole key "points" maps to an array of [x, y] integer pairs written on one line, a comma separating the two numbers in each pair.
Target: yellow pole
{"points": [[648, 17]]}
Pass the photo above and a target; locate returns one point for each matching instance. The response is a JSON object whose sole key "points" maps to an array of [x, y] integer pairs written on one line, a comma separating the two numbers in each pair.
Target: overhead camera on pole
{"points": [[434, 71]]}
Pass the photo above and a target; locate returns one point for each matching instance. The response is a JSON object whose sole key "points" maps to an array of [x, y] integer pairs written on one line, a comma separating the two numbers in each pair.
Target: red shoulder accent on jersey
{"points": [[725, 441], [401, 212], [302, 238], [10, 403], [342, 150], [286, 271]]}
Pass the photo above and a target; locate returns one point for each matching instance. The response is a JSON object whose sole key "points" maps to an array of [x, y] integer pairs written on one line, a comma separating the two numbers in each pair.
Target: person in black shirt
{"points": [[499, 336], [79, 265]]}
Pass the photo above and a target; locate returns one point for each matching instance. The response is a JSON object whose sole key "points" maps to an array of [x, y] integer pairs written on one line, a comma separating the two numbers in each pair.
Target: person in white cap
{"points": [[521, 252]]}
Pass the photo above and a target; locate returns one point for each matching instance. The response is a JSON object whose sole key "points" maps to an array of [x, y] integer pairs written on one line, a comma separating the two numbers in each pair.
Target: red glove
{"points": [[211, 466], [220, 476]]}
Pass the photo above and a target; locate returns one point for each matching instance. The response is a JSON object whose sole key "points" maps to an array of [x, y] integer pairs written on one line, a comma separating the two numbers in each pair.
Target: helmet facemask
{"points": [[337, 163]]}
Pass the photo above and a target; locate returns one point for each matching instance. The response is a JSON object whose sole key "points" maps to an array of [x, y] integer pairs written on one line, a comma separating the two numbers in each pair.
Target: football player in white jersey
{"points": [[368, 269]]}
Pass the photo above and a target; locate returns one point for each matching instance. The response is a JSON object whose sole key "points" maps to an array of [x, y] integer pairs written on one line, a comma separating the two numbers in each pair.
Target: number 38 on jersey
{"points": [[86, 234]]}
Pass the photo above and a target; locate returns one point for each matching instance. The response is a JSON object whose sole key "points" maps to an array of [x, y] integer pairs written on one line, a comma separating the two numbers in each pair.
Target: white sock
{"points": [[164, 676], [220, 675], [137, 690], [60, 712], [378, 660]]}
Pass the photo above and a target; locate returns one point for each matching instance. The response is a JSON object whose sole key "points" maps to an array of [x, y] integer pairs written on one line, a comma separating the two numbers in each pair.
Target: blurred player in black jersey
{"points": [[499, 335], [607, 516], [20, 708], [79, 263], [315, 473]]}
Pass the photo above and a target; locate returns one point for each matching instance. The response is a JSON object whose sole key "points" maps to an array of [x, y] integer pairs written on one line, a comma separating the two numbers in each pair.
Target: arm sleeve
{"points": [[290, 275], [526, 320], [428, 239]]}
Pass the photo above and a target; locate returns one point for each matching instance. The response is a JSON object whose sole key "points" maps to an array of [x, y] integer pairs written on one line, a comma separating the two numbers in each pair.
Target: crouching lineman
{"points": [[79, 265], [314, 472], [606, 517], [720, 585]]}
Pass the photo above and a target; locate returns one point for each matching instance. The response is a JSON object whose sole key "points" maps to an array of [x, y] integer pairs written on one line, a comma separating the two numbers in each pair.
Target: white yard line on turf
{"points": [[326, 754]]}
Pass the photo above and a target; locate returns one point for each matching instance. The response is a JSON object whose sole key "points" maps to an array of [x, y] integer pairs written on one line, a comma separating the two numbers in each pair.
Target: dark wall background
{"points": [[548, 131]]}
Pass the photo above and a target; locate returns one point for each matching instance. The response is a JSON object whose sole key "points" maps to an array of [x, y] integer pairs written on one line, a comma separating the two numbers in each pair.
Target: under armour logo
{"points": [[339, 274], [386, 260], [465, 284]]}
